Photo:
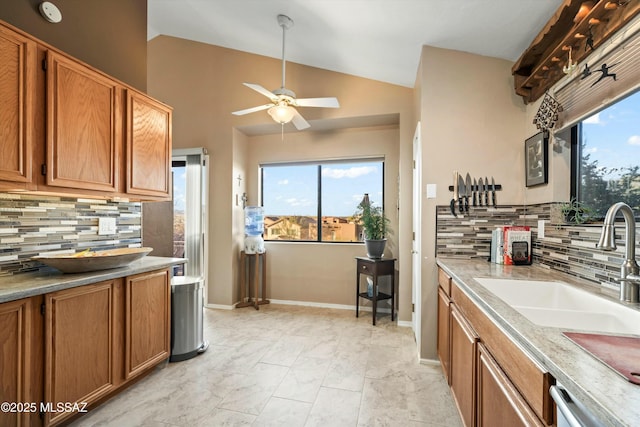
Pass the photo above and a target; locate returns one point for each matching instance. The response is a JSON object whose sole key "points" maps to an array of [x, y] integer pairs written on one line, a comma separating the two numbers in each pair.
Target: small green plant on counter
{"points": [[576, 212]]}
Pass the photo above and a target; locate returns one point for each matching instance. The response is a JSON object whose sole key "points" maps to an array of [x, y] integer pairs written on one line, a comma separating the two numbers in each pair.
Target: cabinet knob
{"points": [[364, 267]]}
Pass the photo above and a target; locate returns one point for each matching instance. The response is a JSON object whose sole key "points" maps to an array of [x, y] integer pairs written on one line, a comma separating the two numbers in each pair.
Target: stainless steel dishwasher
{"points": [[571, 413], [187, 338]]}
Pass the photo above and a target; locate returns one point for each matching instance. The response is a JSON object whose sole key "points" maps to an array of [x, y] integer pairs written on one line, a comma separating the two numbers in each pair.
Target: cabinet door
{"points": [[463, 366], [84, 126], [17, 94], [444, 332], [20, 359], [80, 348], [148, 146], [499, 402], [147, 321]]}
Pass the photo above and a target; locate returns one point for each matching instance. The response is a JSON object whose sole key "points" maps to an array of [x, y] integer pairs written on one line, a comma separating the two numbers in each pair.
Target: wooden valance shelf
{"points": [[541, 65]]}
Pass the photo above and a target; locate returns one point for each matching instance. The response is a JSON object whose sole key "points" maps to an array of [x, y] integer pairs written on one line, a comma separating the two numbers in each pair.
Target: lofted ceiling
{"points": [[376, 39]]}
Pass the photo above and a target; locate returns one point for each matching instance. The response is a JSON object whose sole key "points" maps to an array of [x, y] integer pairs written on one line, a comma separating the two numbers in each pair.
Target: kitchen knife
{"points": [[452, 204], [493, 192], [467, 185], [480, 188], [486, 191], [462, 191], [475, 192]]}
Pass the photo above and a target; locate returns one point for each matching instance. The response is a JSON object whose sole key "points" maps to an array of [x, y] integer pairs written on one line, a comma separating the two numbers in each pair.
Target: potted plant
{"points": [[576, 212], [375, 227]]}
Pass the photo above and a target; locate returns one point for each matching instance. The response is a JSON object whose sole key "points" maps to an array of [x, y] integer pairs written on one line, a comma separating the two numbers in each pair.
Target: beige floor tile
{"points": [[334, 407], [283, 412], [289, 365], [304, 379]]}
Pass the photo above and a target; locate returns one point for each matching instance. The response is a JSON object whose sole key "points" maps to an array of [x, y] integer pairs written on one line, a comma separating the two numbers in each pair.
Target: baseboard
{"points": [[220, 306], [430, 362], [327, 305], [312, 304], [402, 323]]}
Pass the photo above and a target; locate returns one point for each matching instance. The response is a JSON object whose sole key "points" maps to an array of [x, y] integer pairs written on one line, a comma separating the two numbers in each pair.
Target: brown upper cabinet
{"points": [[73, 130], [17, 92], [84, 129], [148, 146]]}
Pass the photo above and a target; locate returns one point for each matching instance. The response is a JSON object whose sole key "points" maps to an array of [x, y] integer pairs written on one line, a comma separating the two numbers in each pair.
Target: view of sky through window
{"points": [[609, 167], [612, 136]]}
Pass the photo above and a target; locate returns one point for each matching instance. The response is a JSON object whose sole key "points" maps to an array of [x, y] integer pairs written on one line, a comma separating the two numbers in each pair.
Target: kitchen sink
{"points": [[560, 305]]}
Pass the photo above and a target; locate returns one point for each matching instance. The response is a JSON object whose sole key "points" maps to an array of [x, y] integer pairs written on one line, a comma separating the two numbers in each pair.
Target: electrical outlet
{"points": [[106, 226], [541, 229]]}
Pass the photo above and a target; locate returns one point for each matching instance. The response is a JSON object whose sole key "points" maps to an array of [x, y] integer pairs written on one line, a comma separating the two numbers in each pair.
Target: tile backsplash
{"points": [[567, 248], [34, 225]]}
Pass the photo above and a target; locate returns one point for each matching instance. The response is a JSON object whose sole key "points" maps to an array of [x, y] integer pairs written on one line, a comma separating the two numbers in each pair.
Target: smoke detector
{"points": [[50, 12]]}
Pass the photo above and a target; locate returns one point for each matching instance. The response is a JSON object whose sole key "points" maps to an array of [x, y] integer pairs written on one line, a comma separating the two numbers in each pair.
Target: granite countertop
{"points": [[609, 396], [49, 280]]}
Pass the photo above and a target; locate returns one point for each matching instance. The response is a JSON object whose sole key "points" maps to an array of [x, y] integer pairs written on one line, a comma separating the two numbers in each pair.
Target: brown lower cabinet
{"points": [[147, 317], [74, 347], [492, 380], [499, 402], [20, 361], [82, 346], [463, 366]]}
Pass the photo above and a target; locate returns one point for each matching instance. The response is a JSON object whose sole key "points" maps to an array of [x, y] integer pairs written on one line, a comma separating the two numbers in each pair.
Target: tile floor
{"points": [[289, 366]]}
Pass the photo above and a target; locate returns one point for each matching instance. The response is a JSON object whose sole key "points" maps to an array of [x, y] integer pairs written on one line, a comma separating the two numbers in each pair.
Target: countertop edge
{"points": [[547, 346], [50, 280]]}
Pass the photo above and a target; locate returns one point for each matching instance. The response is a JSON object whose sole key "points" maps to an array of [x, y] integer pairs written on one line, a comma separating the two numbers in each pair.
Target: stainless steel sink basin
{"points": [[560, 305]]}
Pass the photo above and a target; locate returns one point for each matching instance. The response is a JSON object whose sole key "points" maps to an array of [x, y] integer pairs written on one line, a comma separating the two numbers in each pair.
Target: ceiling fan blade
{"points": [[252, 110], [261, 90], [318, 102], [299, 122]]}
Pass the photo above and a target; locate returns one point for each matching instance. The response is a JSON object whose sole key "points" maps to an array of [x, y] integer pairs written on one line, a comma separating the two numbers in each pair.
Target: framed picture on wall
{"points": [[535, 159]]}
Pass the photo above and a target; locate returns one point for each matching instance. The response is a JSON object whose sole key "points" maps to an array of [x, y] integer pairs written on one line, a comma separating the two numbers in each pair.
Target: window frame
{"points": [[320, 164]]}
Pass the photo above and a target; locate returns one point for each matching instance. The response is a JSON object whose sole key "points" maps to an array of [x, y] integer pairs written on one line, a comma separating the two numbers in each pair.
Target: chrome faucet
{"points": [[629, 278]]}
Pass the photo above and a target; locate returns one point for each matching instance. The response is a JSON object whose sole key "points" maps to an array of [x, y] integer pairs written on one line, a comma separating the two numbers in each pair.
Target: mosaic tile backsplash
{"points": [[34, 225], [567, 248]]}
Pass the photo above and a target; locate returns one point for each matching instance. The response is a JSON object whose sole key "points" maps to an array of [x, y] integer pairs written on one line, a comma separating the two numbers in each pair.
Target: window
{"points": [[606, 164], [295, 195]]}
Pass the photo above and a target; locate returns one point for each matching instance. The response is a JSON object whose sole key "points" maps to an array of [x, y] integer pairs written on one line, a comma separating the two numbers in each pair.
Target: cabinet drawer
{"points": [[444, 281], [531, 380]]}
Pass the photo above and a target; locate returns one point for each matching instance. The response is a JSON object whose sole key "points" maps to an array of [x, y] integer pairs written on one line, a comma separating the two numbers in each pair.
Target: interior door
{"points": [[416, 276]]}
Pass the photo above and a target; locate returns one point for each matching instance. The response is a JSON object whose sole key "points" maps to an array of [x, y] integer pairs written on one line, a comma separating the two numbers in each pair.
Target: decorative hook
{"points": [[570, 65]]}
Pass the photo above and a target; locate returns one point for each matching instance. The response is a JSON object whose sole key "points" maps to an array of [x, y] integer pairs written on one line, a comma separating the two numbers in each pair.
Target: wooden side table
{"points": [[375, 268], [245, 282]]}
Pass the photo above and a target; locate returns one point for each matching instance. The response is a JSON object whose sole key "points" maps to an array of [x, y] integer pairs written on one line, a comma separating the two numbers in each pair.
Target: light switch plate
{"points": [[106, 226], [431, 191]]}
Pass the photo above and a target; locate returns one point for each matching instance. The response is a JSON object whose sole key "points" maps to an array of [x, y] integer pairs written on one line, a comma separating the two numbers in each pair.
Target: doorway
{"points": [[190, 191]]}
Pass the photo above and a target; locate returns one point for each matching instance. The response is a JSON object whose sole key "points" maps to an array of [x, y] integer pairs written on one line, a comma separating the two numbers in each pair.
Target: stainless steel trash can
{"points": [[187, 306]]}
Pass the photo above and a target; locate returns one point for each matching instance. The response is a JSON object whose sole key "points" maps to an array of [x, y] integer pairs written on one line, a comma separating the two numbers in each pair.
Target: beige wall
{"points": [[110, 35], [471, 121], [325, 273], [203, 83]]}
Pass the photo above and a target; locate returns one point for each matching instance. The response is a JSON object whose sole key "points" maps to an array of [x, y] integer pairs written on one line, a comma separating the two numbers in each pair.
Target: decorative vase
{"points": [[375, 248]]}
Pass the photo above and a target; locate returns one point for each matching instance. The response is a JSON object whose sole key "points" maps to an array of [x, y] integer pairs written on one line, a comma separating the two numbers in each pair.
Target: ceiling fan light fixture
{"points": [[282, 113]]}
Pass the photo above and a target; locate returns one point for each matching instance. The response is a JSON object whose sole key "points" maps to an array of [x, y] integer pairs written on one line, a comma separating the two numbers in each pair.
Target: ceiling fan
{"points": [[283, 101]]}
